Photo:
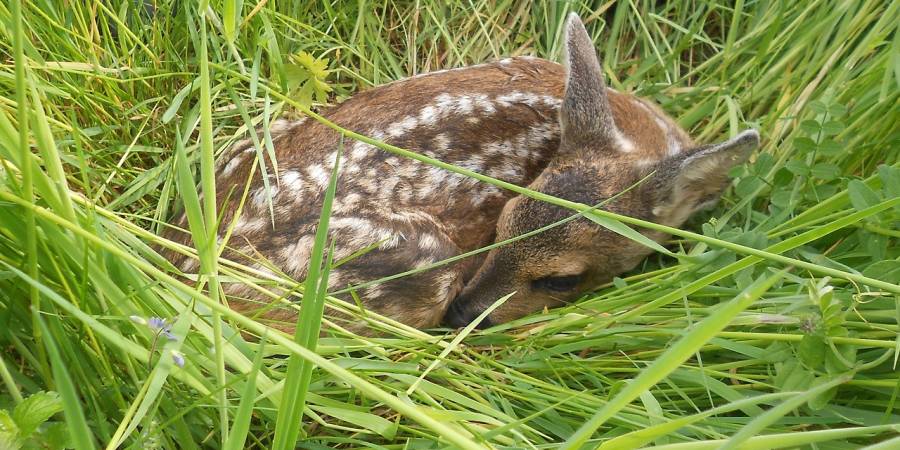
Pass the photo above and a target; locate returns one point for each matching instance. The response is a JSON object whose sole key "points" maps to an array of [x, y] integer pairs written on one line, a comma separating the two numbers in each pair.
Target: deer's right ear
{"points": [[693, 181], [585, 115]]}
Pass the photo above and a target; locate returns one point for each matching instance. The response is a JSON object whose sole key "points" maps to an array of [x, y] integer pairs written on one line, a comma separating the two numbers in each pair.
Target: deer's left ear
{"points": [[695, 179], [585, 115]]}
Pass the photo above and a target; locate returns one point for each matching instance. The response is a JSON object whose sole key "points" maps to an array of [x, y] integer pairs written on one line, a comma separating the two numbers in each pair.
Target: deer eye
{"points": [[557, 284]]}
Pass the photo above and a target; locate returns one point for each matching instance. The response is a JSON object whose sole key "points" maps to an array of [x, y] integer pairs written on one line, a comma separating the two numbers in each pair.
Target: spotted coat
{"points": [[499, 119]]}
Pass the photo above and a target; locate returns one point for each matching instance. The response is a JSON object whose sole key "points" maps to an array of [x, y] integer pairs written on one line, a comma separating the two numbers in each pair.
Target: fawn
{"points": [[523, 120]]}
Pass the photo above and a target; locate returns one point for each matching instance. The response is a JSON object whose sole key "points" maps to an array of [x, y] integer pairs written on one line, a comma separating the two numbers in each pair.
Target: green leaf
{"points": [[830, 147], [306, 333], [9, 432], [890, 180], [825, 171], [35, 410], [810, 127], [797, 167], [748, 186], [821, 400], [782, 197], [861, 195], [832, 128], [792, 376], [763, 164], [56, 437], [804, 144], [884, 270], [837, 110], [306, 78], [845, 360], [818, 106], [783, 177], [811, 350]]}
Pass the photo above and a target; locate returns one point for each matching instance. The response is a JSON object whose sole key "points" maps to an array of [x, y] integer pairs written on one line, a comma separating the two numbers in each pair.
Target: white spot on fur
{"points": [[445, 292], [645, 162], [484, 194], [428, 116], [507, 172], [248, 225], [428, 241], [295, 257], [506, 100], [346, 204], [475, 163], [400, 128], [232, 165], [497, 149], [623, 144], [335, 280], [441, 142], [357, 233], [484, 103], [260, 198], [373, 292], [292, 180], [190, 265], [281, 125], [551, 100], [423, 262], [465, 105], [318, 174], [360, 150]]}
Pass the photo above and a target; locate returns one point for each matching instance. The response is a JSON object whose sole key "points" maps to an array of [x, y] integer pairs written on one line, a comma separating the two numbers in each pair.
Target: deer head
{"points": [[596, 160]]}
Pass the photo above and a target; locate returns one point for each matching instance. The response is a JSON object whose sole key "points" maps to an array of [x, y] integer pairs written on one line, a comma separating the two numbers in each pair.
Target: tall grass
{"points": [[772, 323]]}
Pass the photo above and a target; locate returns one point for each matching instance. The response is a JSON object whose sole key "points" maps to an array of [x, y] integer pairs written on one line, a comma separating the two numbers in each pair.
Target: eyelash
{"points": [[557, 284]]}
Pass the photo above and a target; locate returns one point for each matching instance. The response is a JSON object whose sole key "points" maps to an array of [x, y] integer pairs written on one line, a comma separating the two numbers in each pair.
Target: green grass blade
{"points": [[687, 346], [240, 427], [789, 440], [639, 438], [761, 422], [299, 371], [79, 432]]}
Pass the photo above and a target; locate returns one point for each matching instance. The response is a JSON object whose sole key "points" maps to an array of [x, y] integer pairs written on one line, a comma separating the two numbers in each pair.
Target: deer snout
{"points": [[461, 313]]}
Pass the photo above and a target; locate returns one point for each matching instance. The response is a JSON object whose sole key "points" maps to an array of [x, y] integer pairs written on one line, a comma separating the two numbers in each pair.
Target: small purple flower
{"points": [[156, 323], [178, 358], [161, 326]]}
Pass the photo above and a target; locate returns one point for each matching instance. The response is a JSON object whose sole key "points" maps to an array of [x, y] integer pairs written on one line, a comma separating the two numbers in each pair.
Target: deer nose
{"points": [[460, 315]]}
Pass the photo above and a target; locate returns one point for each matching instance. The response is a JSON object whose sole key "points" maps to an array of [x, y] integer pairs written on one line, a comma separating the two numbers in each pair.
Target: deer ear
{"points": [[695, 180], [585, 115]]}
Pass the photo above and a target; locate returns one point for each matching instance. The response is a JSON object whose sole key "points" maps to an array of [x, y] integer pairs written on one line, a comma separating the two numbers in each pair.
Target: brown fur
{"points": [[500, 119]]}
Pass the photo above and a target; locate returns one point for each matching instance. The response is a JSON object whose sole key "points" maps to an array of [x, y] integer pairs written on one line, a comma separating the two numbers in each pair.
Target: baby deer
{"points": [[523, 120]]}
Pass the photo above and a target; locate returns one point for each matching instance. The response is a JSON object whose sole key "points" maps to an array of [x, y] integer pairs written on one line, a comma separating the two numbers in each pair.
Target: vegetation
{"points": [[773, 325]]}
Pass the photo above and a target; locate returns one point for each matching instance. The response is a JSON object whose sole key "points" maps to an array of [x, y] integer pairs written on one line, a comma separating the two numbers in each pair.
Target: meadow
{"points": [[773, 322]]}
